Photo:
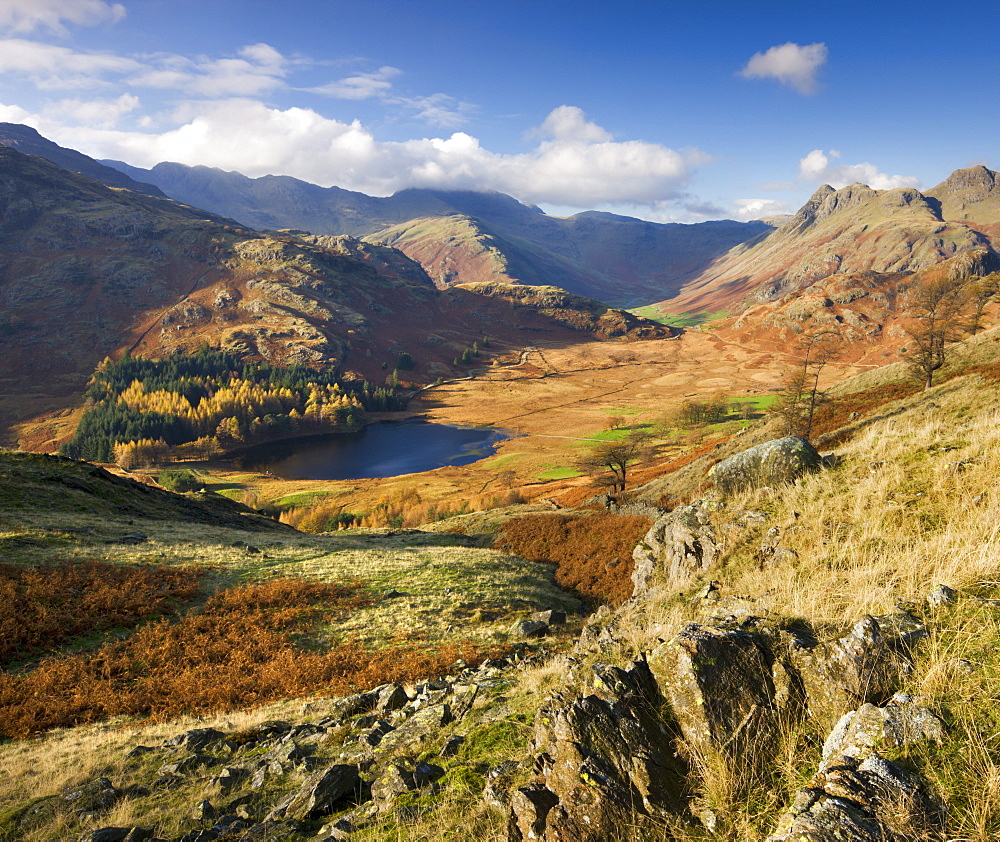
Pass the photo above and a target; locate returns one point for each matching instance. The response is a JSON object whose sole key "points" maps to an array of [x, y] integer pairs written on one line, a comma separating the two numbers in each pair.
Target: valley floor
{"points": [[557, 401]]}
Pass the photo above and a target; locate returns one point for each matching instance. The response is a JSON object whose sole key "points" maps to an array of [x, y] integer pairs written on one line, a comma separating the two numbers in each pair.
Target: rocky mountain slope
{"points": [[467, 236], [869, 311], [851, 230], [25, 139], [970, 196], [90, 270], [626, 262]]}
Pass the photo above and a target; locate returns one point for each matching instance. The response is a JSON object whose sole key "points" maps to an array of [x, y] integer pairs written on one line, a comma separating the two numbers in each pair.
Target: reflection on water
{"points": [[379, 450]]}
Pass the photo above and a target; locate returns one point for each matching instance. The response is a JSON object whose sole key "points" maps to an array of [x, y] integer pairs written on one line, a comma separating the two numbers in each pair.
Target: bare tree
{"points": [[800, 393], [938, 306], [981, 292], [611, 461]]}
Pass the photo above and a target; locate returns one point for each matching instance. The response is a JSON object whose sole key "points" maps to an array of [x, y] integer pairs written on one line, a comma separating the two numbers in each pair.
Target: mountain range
{"points": [[465, 236], [97, 259], [90, 270]]}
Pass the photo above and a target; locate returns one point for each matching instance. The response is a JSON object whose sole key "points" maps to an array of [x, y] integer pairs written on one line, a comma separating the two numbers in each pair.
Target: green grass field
{"points": [[655, 314]]}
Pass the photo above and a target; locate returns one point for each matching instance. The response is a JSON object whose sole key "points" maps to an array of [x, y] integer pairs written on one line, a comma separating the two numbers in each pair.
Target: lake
{"points": [[379, 450]]}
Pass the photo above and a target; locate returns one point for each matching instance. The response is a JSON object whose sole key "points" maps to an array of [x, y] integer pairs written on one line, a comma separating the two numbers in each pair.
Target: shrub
{"points": [[592, 553], [43, 607], [180, 481]]}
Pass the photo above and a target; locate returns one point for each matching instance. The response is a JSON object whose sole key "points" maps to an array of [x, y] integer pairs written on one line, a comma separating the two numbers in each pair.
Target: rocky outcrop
{"points": [[859, 795], [601, 759], [321, 793], [353, 762], [680, 544], [733, 686], [775, 462], [730, 694], [862, 732], [870, 800], [866, 665]]}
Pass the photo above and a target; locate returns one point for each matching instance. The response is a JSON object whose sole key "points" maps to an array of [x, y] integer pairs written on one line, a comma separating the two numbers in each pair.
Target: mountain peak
{"points": [[971, 194], [27, 140], [972, 181], [827, 201], [820, 194]]}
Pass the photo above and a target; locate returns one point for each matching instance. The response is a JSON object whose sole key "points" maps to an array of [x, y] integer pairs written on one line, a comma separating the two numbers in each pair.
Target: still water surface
{"points": [[379, 450]]}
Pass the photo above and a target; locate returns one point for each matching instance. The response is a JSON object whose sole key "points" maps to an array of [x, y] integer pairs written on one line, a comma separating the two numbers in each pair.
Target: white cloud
{"points": [[25, 16], [16, 114], [568, 123], [572, 168], [583, 174], [748, 209], [791, 64], [100, 113], [361, 85], [264, 55], [50, 67], [258, 69], [818, 168], [439, 110]]}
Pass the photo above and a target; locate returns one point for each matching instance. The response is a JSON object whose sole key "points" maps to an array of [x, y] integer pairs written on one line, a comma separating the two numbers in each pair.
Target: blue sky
{"points": [[660, 110]]}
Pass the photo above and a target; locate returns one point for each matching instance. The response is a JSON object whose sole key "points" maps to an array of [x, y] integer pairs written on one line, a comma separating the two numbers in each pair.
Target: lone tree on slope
{"points": [[937, 306], [610, 461], [800, 393], [982, 290]]}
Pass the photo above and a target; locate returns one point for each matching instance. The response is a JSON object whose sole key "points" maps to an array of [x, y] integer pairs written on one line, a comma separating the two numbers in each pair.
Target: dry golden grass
{"points": [[912, 504], [957, 674], [402, 508]]}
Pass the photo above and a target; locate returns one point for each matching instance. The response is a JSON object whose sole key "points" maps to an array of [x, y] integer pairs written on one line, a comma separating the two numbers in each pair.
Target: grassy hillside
{"points": [[908, 504]]}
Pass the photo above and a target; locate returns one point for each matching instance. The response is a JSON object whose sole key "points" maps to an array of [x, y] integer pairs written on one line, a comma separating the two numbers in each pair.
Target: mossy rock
{"points": [[775, 462]]}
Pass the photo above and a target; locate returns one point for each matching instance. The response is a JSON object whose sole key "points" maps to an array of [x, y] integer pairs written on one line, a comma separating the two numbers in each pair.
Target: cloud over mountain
{"points": [[818, 168], [574, 162]]}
